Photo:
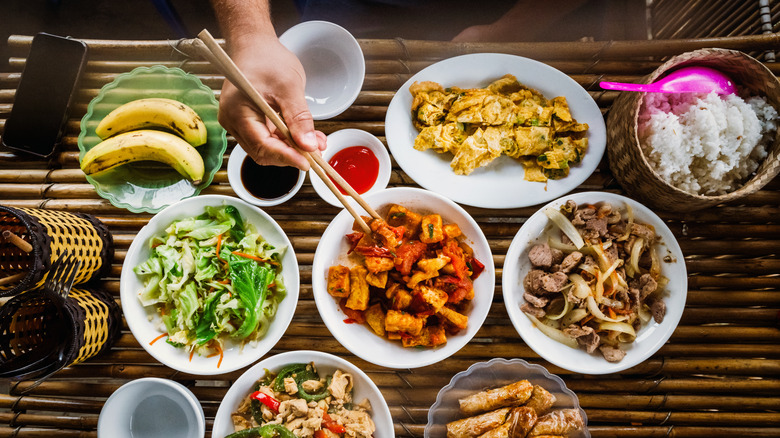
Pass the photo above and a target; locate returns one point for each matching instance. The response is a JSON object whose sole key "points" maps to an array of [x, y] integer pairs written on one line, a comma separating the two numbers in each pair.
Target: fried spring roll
{"points": [[541, 400], [514, 394], [475, 426], [558, 423], [518, 423]]}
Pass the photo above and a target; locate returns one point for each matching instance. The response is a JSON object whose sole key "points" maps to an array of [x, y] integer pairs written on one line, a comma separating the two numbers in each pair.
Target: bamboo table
{"points": [[719, 375]]}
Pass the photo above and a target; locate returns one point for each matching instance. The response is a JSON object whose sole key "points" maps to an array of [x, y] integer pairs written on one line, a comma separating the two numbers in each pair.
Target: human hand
{"points": [[279, 77]]}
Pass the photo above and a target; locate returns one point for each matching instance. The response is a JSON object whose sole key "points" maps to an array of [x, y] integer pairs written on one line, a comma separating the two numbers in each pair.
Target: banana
{"points": [[155, 113], [142, 145]]}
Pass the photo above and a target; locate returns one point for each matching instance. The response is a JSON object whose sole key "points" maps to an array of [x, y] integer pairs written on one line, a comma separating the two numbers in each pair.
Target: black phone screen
{"points": [[48, 81]]}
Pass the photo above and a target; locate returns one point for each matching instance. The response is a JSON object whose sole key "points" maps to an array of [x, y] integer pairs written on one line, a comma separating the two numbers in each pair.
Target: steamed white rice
{"points": [[705, 144]]}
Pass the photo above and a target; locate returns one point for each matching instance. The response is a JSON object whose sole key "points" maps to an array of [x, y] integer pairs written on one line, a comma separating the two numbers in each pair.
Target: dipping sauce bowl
{"points": [[264, 186], [152, 408]]}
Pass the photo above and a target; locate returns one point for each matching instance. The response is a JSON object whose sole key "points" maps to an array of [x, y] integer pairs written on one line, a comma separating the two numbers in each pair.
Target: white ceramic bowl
{"points": [[650, 337], [346, 138], [152, 408], [333, 63], [144, 322], [326, 363], [358, 338], [492, 374], [235, 162]]}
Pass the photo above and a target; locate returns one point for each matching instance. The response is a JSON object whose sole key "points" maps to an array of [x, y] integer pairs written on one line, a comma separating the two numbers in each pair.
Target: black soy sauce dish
{"points": [[260, 185]]}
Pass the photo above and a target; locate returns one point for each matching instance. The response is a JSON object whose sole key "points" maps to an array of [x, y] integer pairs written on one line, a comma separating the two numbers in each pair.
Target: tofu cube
{"points": [[400, 216], [358, 295], [396, 321], [436, 298], [338, 281], [375, 318], [459, 320], [379, 264], [429, 337], [378, 279], [431, 229], [452, 231]]}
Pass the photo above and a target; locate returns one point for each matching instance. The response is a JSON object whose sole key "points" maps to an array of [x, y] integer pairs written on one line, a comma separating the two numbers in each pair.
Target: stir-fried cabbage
{"points": [[212, 276]]}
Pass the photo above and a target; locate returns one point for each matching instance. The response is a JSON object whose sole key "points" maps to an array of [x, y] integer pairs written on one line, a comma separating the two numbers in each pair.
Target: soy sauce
{"points": [[267, 182]]}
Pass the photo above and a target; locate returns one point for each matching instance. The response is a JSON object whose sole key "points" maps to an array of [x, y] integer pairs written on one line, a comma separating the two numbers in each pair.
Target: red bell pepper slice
{"points": [[374, 251], [354, 239], [330, 424], [272, 403]]}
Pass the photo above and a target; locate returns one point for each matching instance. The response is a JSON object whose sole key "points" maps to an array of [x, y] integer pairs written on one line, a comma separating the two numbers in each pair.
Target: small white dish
{"points": [[346, 138], [361, 340], [326, 363], [650, 338], [152, 408], [235, 162], [145, 322], [493, 374], [333, 63]]}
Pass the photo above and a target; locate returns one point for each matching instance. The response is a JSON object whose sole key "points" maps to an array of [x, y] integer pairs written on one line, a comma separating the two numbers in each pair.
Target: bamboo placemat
{"points": [[719, 375]]}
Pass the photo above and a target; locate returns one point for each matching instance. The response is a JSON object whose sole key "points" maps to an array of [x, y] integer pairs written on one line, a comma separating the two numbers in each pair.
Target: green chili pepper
{"points": [[430, 231], [267, 431], [324, 392], [286, 372]]}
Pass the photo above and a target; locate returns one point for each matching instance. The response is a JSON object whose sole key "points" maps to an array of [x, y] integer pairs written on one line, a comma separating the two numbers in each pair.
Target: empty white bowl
{"points": [[345, 138], [152, 408], [235, 162], [333, 62]]}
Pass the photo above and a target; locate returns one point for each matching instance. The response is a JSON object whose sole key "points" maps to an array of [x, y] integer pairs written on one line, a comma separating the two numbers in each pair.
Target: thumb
{"points": [[301, 124]]}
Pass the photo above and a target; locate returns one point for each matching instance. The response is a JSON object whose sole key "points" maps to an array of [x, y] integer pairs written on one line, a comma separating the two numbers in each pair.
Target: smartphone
{"points": [[45, 91]]}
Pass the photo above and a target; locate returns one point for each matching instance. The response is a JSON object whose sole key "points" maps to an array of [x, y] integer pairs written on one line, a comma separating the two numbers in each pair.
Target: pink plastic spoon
{"points": [[684, 80]]}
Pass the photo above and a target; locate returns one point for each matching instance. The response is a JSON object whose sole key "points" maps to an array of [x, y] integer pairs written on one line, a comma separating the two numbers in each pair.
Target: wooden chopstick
{"points": [[17, 241], [217, 56]]}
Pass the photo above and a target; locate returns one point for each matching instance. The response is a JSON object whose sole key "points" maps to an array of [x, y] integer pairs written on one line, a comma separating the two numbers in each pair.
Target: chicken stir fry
{"points": [[479, 125], [595, 284], [413, 278], [298, 402]]}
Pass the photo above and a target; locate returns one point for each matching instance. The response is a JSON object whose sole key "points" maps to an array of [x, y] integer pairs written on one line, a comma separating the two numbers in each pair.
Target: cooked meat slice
{"points": [[570, 205], [533, 311], [536, 301], [541, 256], [573, 298], [596, 225], [589, 262], [612, 354], [293, 408], [557, 255], [571, 261], [644, 231], [612, 253], [657, 308], [290, 386], [311, 386], [582, 215], [647, 285], [585, 336], [554, 282], [340, 385], [533, 282]]}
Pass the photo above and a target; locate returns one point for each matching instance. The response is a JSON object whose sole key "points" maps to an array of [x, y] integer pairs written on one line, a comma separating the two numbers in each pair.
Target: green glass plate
{"points": [[147, 186]]}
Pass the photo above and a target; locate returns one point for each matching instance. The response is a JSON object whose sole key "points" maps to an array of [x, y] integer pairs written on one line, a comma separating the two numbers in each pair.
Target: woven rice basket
{"points": [[634, 172]]}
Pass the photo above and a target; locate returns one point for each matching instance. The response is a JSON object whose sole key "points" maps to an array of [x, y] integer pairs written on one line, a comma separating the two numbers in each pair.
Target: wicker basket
{"points": [[92, 320], [631, 168], [52, 233]]}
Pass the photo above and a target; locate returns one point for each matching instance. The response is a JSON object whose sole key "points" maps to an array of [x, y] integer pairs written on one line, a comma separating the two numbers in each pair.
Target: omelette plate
{"points": [[501, 183]]}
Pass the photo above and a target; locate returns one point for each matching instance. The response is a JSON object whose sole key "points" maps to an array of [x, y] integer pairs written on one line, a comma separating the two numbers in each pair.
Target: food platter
{"points": [[649, 338], [144, 322], [500, 184], [358, 338]]}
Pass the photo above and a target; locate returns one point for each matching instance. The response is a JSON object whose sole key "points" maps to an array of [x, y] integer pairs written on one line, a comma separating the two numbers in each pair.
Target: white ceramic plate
{"points": [[650, 337], [358, 338], [341, 140], [493, 374], [500, 184], [144, 321], [326, 364]]}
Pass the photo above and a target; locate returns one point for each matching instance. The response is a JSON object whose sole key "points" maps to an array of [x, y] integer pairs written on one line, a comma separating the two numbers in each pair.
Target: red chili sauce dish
{"points": [[358, 166]]}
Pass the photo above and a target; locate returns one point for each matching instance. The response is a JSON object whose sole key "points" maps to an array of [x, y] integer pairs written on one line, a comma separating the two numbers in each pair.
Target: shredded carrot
{"points": [[611, 313], [586, 320], [225, 281], [255, 258], [158, 338], [192, 353], [221, 354], [219, 246]]}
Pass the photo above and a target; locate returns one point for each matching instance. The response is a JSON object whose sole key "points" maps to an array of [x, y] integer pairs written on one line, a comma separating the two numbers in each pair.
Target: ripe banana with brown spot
{"points": [[154, 113], [145, 145]]}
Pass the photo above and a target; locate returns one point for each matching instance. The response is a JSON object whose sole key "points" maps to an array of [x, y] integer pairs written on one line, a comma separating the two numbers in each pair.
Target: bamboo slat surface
{"points": [[719, 374]]}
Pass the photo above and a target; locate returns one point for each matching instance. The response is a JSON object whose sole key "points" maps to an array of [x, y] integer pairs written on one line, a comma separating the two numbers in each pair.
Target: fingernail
{"points": [[310, 140]]}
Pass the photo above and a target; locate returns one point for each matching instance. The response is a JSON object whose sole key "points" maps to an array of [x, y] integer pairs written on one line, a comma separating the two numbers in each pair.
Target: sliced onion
{"points": [[627, 333], [564, 311], [555, 242], [581, 288], [655, 266], [629, 225], [636, 251], [599, 287], [594, 309], [576, 315], [601, 257], [553, 333], [644, 314], [565, 225]]}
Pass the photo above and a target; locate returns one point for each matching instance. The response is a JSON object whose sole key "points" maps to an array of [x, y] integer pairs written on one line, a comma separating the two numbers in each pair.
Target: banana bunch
{"points": [[152, 129]]}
